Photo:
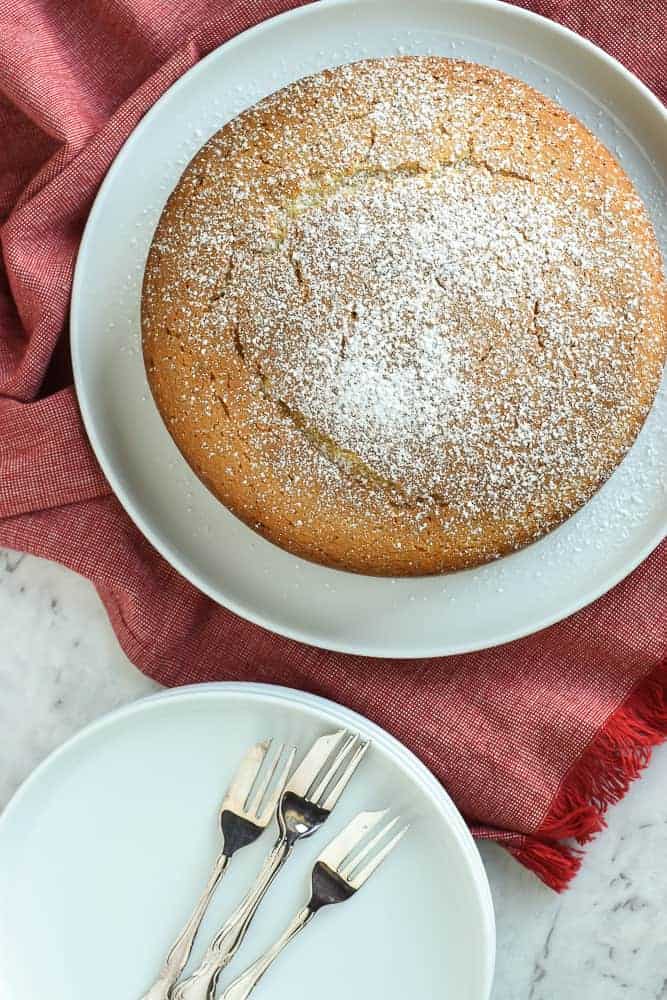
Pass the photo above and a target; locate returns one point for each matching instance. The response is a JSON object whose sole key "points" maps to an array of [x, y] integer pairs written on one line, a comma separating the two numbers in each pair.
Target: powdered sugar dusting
{"points": [[444, 318]]}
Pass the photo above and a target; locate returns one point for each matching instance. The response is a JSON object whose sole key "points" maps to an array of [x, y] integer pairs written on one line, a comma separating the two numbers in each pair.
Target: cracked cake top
{"points": [[404, 316]]}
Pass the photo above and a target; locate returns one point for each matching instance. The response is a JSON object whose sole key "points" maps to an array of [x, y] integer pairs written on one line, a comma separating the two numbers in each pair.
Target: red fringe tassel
{"points": [[555, 864], [602, 775]]}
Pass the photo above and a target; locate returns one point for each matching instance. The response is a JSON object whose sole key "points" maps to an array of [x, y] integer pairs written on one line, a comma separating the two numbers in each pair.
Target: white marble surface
{"points": [[605, 939]]}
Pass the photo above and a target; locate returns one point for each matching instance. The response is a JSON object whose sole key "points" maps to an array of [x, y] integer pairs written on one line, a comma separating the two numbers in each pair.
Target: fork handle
{"points": [[203, 981], [244, 984], [179, 952]]}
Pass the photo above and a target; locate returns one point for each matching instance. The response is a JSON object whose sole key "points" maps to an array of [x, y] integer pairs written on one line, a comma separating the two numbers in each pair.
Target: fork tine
{"points": [[359, 877], [318, 787], [354, 858], [264, 779], [313, 762], [243, 780], [340, 847], [261, 783], [337, 789], [276, 790]]}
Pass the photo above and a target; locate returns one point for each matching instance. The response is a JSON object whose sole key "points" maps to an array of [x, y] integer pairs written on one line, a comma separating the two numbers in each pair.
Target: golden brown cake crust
{"points": [[404, 316]]}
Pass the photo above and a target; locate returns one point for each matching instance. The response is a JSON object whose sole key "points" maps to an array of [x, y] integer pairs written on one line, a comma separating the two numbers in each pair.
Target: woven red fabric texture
{"points": [[533, 739]]}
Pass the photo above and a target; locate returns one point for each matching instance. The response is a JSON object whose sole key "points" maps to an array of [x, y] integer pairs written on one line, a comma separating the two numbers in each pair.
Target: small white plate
{"points": [[106, 847], [425, 617]]}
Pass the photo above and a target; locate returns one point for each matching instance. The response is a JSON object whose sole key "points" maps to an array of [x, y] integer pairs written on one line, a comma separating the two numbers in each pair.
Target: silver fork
{"points": [[339, 872], [247, 809], [310, 795]]}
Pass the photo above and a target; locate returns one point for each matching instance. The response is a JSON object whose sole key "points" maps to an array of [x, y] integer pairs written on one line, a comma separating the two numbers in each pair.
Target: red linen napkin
{"points": [[533, 739]]}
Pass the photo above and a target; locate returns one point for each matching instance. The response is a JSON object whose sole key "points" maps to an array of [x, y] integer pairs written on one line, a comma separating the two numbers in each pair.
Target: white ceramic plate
{"points": [[106, 847], [426, 617]]}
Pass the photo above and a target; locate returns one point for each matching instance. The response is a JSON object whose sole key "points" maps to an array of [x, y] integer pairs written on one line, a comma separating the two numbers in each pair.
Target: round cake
{"points": [[404, 316]]}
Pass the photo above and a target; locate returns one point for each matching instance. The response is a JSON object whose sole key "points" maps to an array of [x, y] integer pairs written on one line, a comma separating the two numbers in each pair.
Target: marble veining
{"points": [[605, 939]]}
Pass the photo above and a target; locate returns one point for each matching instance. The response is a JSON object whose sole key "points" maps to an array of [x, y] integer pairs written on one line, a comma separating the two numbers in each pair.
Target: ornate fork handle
{"points": [[203, 981], [244, 984], [182, 946]]}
